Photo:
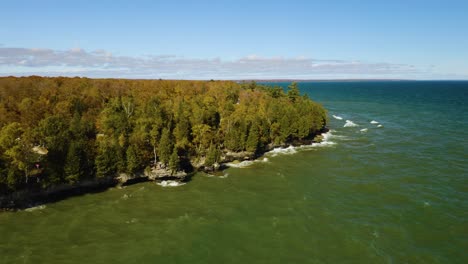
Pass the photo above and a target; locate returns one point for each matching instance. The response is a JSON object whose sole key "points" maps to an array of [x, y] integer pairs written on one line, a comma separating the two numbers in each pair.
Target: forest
{"points": [[67, 130]]}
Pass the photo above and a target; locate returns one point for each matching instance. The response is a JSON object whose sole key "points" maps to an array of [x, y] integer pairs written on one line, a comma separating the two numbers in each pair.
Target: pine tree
{"points": [[211, 155], [133, 160], [106, 160], [74, 163], [165, 146], [174, 161], [293, 92], [252, 140]]}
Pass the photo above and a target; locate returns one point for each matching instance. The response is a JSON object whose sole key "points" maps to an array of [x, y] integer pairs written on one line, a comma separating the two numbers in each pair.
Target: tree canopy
{"points": [[101, 127]]}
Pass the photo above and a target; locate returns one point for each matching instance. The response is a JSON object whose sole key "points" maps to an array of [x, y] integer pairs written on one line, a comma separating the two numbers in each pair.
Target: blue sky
{"points": [[239, 39]]}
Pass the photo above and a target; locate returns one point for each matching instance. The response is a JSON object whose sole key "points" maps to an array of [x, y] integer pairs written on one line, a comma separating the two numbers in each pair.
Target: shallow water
{"points": [[391, 194]]}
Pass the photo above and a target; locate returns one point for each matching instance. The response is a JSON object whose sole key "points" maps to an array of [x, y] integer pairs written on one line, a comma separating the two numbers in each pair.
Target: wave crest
{"points": [[337, 117], [350, 123], [169, 183]]}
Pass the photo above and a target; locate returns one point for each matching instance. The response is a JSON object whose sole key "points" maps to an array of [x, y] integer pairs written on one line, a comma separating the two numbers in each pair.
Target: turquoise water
{"points": [[391, 194]]}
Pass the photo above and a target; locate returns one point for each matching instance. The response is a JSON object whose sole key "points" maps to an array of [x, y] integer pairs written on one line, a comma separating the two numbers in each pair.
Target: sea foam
{"points": [[350, 123], [292, 150], [170, 183], [242, 164], [35, 208], [246, 163], [289, 150], [337, 117]]}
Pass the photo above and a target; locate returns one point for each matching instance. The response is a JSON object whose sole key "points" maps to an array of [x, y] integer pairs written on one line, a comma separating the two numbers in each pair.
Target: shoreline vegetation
{"points": [[61, 137]]}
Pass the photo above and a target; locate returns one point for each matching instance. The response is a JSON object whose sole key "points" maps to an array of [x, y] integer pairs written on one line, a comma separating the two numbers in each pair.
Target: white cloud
{"points": [[101, 63]]}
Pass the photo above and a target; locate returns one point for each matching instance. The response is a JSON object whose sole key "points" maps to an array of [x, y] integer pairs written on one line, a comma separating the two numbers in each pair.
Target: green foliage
{"points": [[165, 146], [99, 128], [293, 92], [174, 162], [212, 155], [75, 165], [106, 160], [253, 139], [134, 162]]}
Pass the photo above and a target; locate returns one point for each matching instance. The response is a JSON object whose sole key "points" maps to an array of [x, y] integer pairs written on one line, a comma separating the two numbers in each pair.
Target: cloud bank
{"points": [[101, 63]]}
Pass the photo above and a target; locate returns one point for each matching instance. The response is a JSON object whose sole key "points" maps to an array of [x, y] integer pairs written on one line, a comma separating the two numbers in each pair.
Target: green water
{"points": [[392, 194]]}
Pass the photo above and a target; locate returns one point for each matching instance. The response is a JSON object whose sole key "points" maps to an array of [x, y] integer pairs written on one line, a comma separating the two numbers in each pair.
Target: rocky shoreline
{"points": [[26, 198]]}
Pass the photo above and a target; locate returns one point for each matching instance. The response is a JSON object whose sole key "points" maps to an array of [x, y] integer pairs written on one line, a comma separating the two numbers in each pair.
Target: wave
{"points": [[337, 117], [292, 150], [289, 150], [364, 130], [245, 163], [170, 183], [325, 141], [350, 123], [379, 126], [35, 208], [374, 122], [286, 151]]}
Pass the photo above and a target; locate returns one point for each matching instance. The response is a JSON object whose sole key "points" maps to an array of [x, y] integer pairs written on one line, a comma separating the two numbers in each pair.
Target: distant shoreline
{"points": [[237, 80]]}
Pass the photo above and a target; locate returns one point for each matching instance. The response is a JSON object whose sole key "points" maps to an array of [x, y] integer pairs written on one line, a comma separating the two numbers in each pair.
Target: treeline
{"points": [[66, 130]]}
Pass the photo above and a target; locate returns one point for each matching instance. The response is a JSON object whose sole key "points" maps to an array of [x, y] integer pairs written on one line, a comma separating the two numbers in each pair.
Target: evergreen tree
{"points": [[212, 155], [165, 146], [253, 139], [133, 160], [106, 160], [174, 162], [293, 92], [75, 162]]}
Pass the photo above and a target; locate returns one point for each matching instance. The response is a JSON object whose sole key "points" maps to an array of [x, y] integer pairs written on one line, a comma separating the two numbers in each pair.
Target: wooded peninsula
{"points": [[57, 132]]}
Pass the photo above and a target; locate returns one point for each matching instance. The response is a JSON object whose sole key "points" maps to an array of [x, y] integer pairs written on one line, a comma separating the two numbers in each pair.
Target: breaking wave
{"points": [[170, 183], [245, 163], [242, 164], [289, 150], [374, 122], [350, 123], [364, 130], [292, 150], [35, 208], [337, 117]]}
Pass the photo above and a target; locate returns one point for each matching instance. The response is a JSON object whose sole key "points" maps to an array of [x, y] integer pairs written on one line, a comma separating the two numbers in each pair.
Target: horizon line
{"points": [[239, 80]]}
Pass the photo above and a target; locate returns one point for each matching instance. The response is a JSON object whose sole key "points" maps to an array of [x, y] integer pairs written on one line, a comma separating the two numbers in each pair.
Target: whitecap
{"points": [[242, 164], [289, 150], [337, 117], [379, 126], [374, 122], [132, 221], [35, 208], [364, 130], [350, 123], [170, 183], [321, 144]]}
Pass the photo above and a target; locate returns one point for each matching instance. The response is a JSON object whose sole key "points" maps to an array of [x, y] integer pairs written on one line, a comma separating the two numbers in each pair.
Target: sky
{"points": [[238, 39]]}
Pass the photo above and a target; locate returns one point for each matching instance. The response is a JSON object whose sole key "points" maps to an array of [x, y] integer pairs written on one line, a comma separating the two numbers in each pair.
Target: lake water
{"points": [[397, 193]]}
